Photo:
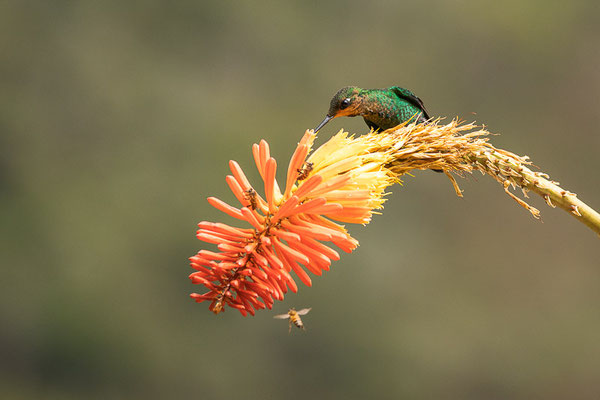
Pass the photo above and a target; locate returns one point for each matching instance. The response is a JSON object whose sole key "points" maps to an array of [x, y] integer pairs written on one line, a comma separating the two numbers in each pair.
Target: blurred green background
{"points": [[117, 120]]}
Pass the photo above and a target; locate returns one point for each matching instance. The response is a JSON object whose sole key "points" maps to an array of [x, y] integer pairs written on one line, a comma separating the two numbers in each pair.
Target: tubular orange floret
{"points": [[285, 209], [296, 226], [226, 208], [252, 267], [257, 160], [239, 175], [225, 229], [285, 235], [270, 170], [200, 233], [296, 163], [291, 253], [265, 152], [208, 238], [330, 185], [251, 218], [237, 190], [321, 248], [309, 185], [308, 206]]}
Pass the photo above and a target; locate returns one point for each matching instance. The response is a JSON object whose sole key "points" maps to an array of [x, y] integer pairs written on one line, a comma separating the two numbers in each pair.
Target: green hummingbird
{"points": [[380, 108]]}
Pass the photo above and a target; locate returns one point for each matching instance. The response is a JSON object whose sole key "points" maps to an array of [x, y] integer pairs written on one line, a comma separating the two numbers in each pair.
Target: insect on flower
{"points": [[252, 198], [304, 171], [294, 317]]}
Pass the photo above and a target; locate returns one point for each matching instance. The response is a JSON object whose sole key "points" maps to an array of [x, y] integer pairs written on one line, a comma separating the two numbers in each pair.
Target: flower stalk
{"points": [[343, 181], [458, 148]]}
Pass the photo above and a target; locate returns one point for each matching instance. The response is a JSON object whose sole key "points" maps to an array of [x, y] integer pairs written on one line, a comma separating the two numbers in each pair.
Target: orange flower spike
{"points": [[346, 182]]}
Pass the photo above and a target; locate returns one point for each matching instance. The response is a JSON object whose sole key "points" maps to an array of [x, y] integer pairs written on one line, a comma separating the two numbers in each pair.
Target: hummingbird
{"points": [[380, 108]]}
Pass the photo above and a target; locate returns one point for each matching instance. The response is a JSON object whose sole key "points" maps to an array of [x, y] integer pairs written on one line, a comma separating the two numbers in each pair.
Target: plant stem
{"points": [[511, 171]]}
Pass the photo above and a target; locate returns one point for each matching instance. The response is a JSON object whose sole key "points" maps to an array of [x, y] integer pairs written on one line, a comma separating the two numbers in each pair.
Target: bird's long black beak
{"points": [[322, 124]]}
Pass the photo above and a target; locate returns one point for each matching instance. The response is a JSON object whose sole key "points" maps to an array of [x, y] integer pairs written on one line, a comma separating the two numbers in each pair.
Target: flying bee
{"points": [[304, 171], [251, 196], [294, 317]]}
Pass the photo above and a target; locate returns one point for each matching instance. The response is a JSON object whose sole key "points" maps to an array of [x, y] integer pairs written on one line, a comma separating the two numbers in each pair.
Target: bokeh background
{"points": [[117, 120]]}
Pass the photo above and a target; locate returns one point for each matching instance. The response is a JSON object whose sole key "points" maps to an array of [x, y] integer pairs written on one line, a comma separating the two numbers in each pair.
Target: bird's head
{"points": [[346, 102]]}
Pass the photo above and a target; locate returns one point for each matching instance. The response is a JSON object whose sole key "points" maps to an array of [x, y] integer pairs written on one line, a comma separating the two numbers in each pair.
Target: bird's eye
{"points": [[345, 103]]}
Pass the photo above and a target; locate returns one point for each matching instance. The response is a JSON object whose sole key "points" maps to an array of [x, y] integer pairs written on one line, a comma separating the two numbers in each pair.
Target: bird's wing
{"points": [[304, 311], [412, 98], [282, 316]]}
